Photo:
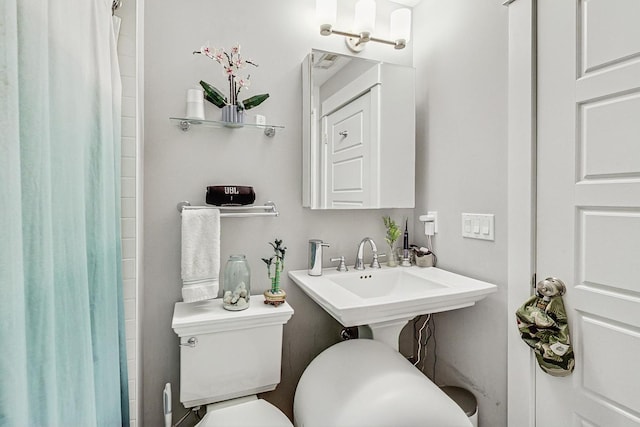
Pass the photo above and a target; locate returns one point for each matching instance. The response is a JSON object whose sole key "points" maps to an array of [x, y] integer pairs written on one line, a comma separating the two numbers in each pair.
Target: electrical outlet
{"points": [[430, 223]]}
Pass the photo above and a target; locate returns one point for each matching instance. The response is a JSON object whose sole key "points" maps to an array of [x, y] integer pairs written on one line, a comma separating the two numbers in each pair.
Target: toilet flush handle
{"points": [[191, 342]]}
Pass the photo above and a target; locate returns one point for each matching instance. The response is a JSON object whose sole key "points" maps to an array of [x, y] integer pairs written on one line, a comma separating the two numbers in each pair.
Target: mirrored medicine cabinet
{"points": [[358, 133]]}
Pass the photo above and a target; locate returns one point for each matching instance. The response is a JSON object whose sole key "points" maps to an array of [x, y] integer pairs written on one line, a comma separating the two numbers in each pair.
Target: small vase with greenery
{"points": [[393, 234], [275, 266]]}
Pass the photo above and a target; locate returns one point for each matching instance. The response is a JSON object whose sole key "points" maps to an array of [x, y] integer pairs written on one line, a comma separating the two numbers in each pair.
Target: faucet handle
{"points": [[374, 261], [342, 266]]}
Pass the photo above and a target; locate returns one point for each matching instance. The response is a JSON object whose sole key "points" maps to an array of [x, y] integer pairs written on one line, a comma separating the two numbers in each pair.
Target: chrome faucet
{"points": [[360, 256]]}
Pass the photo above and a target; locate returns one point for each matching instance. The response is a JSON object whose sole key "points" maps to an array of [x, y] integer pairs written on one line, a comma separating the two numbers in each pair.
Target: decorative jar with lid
{"points": [[237, 283]]}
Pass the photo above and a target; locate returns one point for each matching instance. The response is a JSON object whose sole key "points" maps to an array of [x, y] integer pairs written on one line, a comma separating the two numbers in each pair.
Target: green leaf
{"points": [[254, 101], [393, 231], [213, 95]]}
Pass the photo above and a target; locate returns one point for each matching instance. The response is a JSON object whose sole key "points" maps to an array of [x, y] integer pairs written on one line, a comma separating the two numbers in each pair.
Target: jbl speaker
{"points": [[230, 195]]}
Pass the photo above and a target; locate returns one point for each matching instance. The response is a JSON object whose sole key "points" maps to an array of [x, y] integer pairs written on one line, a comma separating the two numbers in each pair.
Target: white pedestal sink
{"points": [[386, 299]]}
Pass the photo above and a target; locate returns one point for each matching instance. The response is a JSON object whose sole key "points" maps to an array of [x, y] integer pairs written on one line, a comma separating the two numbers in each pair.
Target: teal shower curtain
{"points": [[62, 357]]}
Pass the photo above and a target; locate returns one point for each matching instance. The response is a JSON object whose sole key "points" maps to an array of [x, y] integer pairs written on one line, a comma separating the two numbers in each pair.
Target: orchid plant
{"points": [[233, 65], [277, 261]]}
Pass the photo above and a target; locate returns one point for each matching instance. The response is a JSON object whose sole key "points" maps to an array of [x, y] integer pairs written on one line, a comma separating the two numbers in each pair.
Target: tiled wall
{"points": [[127, 59]]}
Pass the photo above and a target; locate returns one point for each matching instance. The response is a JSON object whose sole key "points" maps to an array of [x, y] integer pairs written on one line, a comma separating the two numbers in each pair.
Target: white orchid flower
{"points": [[229, 71], [239, 63], [219, 55], [243, 82]]}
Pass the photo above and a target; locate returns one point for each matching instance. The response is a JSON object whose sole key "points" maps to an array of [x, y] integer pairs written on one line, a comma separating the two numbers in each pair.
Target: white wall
{"points": [[178, 166], [460, 54]]}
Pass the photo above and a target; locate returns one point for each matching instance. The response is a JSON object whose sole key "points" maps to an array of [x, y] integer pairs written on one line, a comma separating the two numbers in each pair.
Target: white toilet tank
{"points": [[366, 383], [228, 354]]}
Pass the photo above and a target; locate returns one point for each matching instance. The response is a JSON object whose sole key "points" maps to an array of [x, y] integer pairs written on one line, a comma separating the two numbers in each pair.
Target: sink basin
{"points": [[386, 299], [386, 283]]}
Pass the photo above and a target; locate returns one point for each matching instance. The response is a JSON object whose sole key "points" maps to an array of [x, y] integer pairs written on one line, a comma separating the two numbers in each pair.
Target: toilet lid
{"points": [[256, 413]]}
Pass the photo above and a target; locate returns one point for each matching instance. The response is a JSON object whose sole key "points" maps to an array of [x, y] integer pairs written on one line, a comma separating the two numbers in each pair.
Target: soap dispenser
{"points": [[315, 257]]}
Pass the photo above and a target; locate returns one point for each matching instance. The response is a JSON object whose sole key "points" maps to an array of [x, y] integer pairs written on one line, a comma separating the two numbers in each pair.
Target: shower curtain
{"points": [[62, 357]]}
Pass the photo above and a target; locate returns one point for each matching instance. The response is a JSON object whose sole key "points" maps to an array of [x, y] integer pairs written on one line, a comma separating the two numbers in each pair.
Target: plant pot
{"points": [[232, 116], [274, 298]]}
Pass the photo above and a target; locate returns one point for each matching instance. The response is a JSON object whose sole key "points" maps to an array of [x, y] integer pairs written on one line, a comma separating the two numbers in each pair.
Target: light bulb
{"points": [[400, 28], [326, 12], [365, 16]]}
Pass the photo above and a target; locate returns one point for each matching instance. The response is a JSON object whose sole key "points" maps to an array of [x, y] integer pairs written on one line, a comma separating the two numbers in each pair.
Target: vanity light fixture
{"points": [[364, 23]]}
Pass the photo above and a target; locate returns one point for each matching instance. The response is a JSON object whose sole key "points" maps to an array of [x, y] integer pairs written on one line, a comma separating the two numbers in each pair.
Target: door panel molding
{"points": [[613, 347], [604, 29]]}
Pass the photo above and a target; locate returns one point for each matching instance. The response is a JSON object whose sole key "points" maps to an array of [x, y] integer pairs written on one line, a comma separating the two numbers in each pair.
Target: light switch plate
{"points": [[478, 226]]}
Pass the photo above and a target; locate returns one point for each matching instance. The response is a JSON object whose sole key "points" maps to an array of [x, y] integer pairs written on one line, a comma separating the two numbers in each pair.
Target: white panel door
{"points": [[588, 207], [348, 164]]}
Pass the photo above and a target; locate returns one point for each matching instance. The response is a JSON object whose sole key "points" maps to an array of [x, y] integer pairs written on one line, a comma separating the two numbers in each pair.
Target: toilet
{"points": [[228, 357]]}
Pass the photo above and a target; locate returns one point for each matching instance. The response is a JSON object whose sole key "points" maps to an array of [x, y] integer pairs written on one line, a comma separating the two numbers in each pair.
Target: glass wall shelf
{"points": [[185, 124]]}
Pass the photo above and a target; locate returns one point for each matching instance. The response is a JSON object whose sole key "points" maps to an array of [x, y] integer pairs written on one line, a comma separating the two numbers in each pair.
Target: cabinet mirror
{"points": [[358, 133]]}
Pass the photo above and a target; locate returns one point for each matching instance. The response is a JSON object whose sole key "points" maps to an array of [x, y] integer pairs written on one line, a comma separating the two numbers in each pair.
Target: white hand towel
{"points": [[200, 254]]}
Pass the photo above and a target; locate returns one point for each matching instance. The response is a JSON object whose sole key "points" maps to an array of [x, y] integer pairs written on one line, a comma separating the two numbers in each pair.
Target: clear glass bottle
{"points": [[236, 289], [391, 257]]}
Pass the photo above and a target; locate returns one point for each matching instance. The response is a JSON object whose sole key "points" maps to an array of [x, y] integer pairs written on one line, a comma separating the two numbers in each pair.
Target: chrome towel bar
{"points": [[268, 209]]}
